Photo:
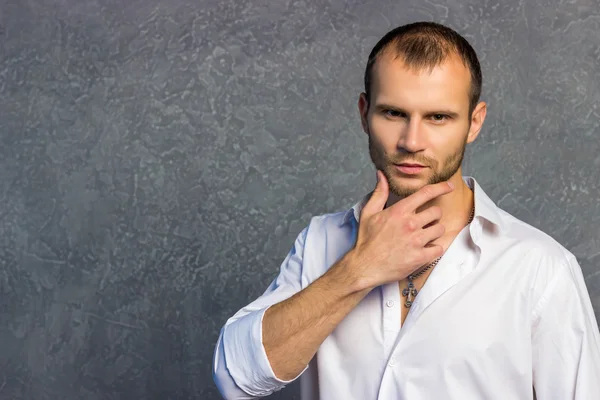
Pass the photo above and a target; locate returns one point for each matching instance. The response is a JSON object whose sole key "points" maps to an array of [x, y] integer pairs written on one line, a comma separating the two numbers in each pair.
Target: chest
{"points": [[469, 339], [474, 319]]}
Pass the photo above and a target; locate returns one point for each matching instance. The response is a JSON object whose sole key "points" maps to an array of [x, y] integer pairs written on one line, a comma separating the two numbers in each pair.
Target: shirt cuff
{"points": [[246, 358]]}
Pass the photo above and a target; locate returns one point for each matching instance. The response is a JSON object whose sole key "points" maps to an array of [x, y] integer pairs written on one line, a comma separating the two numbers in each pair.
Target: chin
{"points": [[405, 186]]}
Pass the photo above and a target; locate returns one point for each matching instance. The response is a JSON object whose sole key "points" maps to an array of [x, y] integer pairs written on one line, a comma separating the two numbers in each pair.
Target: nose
{"points": [[411, 138]]}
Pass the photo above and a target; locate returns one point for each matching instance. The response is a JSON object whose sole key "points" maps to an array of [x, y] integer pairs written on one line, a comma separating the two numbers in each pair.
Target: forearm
{"points": [[294, 329]]}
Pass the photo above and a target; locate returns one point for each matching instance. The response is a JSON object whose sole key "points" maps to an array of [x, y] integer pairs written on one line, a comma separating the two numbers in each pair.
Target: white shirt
{"points": [[506, 310]]}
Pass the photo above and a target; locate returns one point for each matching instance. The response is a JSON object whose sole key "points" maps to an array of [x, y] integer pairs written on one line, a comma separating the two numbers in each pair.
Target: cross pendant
{"points": [[410, 293]]}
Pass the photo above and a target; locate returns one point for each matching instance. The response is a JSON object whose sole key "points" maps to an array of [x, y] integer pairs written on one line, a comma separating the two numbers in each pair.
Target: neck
{"points": [[456, 206]]}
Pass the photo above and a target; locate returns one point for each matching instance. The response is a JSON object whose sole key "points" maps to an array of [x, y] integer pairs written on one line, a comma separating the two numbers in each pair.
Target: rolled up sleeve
{"points": [[241, 369], [566, 339]]}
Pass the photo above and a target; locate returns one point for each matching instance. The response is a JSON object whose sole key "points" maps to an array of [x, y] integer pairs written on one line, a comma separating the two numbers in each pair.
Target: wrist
{"points": [[351, 271]]}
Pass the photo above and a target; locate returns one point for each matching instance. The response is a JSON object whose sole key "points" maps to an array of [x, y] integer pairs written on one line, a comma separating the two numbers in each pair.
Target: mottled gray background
{"points": [[158, 158]]}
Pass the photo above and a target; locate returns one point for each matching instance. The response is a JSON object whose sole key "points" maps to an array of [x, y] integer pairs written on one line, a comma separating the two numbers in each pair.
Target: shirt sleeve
{"points": [[565, 339], [241, 369]]}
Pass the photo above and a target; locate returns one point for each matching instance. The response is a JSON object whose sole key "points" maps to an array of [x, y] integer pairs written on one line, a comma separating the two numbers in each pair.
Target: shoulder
{"points": [[537, 253], [314, 233], [325, 225], [532, 239]]}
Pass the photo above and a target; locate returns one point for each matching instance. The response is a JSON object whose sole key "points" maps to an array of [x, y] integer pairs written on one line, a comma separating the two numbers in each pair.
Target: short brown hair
{"points": [[426, 45]]}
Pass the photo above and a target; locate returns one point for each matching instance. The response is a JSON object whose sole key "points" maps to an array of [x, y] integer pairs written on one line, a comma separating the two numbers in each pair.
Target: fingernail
{"points": [[451, 185]]}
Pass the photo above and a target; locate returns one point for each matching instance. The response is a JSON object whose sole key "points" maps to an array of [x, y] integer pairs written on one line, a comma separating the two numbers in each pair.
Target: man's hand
{"points": [[396, 241]]}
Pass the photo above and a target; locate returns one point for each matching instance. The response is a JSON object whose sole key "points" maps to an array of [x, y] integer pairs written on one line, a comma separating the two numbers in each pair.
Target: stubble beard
{"points": [[386, 163]]}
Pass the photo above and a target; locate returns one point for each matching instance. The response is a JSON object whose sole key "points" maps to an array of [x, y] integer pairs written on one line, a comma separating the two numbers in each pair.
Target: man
{"points": [[425, 289]]}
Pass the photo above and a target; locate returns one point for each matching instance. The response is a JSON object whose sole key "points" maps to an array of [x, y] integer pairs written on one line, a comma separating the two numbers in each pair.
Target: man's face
{"points": [[419, 117]]}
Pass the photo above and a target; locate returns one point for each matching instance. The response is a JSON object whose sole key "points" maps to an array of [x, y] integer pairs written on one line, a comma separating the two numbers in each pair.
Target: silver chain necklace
{"points": [[410, 292]]}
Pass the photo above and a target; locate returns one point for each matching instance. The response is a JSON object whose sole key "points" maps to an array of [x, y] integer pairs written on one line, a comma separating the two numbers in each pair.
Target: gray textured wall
{"points": [[158, 157]]}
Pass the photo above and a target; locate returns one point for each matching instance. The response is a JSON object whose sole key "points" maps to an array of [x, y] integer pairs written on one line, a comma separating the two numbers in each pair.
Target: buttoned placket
{"points": [[450, 270], [391, 304]]}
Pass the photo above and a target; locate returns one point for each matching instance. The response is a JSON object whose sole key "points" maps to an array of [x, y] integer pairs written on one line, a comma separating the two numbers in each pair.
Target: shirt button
{"points": [[391, 363], [389, 303]]}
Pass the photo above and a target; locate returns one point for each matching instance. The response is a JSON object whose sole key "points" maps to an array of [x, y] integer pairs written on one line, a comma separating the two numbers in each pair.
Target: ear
{"points": [[477, 118], [363, 109]]}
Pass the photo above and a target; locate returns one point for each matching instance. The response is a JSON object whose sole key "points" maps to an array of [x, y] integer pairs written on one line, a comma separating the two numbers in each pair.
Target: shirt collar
{"points": [[484, 206]]}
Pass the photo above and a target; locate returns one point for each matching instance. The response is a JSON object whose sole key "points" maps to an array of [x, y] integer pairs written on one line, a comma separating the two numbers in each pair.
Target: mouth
{"points": [[409, 168], [410, 165]]}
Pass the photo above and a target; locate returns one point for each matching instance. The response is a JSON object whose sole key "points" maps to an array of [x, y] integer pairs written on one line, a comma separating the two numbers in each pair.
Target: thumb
{"points": [[379, 197]]}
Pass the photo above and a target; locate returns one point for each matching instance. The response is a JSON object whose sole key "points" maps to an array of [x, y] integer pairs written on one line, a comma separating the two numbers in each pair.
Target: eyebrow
{"points": [[382, 107]]}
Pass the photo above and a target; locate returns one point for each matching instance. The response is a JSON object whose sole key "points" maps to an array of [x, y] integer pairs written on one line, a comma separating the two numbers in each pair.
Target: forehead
{"points": [[447, 84]]}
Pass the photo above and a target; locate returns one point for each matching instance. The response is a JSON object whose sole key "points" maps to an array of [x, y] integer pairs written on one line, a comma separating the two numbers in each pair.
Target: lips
{"points": [[409, 169]]}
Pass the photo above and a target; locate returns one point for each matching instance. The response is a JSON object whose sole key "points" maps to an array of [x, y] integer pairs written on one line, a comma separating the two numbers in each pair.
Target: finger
{"points": [[428, 216], [432, 252], [432, 233], [379, 197], [426, 194], [427, 255]]}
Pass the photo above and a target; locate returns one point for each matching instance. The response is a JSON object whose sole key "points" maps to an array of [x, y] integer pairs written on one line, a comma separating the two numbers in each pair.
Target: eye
{"points": [[393, 113], [439, 117]]}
